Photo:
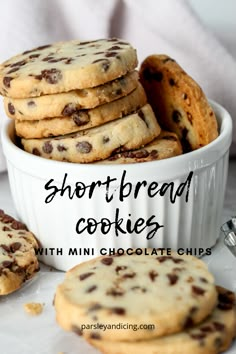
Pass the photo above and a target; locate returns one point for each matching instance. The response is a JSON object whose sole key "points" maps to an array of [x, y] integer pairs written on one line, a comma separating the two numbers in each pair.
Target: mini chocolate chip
{"points": [[32, 56], [128, 275], [47, 147], [184, 140], [153, 154], [13, 70], [80, 117], [110, 54], [173, 278], [98, 60], [18, 63], [115, 47], [142, 116], [218, 342], [118, 310], [95, 307], [31, 103], [105, 66], [211, 114], [119, 268], [7, 264], [15, 246], [7, 81], [172, 82], [176, 116], [7, 219], [61, 148], [6, 248], [207, 329], [68, 61], [5, 228], [152, 275], [184, 96], [219, 326], [68, 109], [118, 92], [166, 258], [197, 290], [84, 147], [203, 280], [36, 152], [77, 330], [11, 108], [95, 335], [198, 336], [107, 261], [115, 292], [139, 289], [105, 139], [51, 76], [188, 322], [17, 225], [91, 289], [85, 275]]}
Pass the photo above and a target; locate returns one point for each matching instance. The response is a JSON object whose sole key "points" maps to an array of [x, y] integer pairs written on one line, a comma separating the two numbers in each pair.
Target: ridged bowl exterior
{"points": [[193, 224]]}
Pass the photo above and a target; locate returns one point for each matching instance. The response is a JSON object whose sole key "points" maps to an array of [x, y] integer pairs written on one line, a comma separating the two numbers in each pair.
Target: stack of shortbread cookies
{"points": [[82, 102], [156, 304]]}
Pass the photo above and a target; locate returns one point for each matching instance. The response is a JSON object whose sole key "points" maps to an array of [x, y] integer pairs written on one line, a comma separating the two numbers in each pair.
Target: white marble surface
{"points": [[20, 333]]}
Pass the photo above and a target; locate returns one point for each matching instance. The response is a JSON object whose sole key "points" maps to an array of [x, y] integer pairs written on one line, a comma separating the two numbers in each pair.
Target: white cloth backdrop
{"points": [[152, 26]]}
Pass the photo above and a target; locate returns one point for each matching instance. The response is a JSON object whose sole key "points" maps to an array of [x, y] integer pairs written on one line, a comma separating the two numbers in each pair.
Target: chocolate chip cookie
{"points": [[178, 102], [18, 261], [66, 66]]}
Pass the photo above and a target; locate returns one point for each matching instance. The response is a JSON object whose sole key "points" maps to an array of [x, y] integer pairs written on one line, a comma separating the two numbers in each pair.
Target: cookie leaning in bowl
{"points": [[66, 66], [212, 336], [58, 105], [166, 145], [18, 261], [178, 101], [167, 292], [98, 143], [80, 119]]}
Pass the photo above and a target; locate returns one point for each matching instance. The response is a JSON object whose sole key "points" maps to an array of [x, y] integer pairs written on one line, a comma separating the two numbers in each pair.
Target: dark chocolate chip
{"points": [[91, 289], [18, 63], [176, 116], [32, 56], [80, 117], [7, 81], [105, 139], [85, 275], [110, 54], [11, 108], [107, 261], [47, 147], [15, 246], [118, 311], [118, 92], [5, 228], [84, 147], [61, 148], [17, 225], [173, 278], [7, 264], [68, 109], [115, 292], [219, 326], [52, 76], [172, 82], [197, 290], [95, 335], [184, 140], [31, 103], [152, 275], [36, 152], [13, 70], [6, 248], [119, 268]]}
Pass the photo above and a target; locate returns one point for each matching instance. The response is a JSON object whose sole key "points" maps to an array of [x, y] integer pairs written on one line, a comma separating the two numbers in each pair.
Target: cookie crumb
{"points": [[33, 308]]}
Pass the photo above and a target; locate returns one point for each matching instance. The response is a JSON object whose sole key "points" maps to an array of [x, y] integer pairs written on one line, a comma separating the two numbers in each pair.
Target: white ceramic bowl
{"points": [[189, 224]]}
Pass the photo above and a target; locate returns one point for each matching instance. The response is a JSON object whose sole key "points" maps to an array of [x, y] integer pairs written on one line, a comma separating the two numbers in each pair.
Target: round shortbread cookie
{"points": [[166, 145], [18, 261], [178, 101], [167, 292], [66, 66], [214, 335], [98, 143], [67, 103], [82, 119]]}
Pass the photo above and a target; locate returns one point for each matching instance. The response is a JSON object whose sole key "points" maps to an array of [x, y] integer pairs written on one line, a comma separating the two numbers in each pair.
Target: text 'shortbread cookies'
{"points": [[98, 143], [66, 66], [77, 119], [178, 102], [57, 105], [18, 261], [166, 145], [169, 292], [214, 335]]}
